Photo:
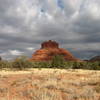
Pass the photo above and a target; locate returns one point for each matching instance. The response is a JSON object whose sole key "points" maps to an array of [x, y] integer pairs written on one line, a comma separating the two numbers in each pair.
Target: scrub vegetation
{"points": [[57, 62]]}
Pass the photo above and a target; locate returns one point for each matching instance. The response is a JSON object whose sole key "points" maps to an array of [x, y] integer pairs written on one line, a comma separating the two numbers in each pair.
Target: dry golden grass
{"points": [[50, 84]]}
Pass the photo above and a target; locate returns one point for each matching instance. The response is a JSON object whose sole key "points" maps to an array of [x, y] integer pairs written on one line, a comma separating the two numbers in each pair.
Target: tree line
{"points": [[58, 61]]}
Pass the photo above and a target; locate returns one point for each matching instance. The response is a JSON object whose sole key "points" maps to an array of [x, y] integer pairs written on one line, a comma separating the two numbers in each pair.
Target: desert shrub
{"points": [[68, 65], [86, 65], [21, 63], [2, 64], [0, 58], [5, 64], [57, 61], [42, 64], [97, 89], [45, 64], [76, 65], [34, 64], [79, 65], [95, 66]]}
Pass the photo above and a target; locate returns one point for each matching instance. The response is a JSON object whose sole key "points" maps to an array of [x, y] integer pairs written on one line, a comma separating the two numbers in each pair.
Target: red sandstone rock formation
{"points": [[49, 49]]}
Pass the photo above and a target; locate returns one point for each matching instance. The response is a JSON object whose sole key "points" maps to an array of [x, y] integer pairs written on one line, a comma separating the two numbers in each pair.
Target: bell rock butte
{"points": [[49, 49]]}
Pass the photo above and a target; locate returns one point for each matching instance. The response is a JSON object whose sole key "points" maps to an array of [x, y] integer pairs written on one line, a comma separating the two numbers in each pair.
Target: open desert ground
{"points": [[50, 84]]}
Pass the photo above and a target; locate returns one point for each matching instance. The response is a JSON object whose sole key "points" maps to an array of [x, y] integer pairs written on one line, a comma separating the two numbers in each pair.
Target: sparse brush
{"points": [[97, 89], [5, 64], [21, 63], [57, 61]]}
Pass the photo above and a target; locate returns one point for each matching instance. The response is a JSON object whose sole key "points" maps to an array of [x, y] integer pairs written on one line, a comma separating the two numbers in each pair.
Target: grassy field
{"points": [[50, 84]]}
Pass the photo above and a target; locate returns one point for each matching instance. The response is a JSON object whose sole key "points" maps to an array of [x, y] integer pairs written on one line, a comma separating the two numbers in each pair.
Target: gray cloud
{"points": [[26, 23]]}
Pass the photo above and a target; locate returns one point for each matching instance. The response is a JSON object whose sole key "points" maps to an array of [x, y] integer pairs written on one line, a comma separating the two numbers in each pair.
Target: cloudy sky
{"points": [[24, 24]]}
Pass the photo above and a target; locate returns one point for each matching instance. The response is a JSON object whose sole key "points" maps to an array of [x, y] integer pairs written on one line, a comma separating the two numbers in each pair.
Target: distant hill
{"points": [[96, 58]]}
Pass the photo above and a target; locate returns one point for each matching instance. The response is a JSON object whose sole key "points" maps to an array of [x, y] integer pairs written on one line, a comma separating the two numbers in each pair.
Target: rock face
{"points": [[49, 44], [49, 49], [96, 58]]}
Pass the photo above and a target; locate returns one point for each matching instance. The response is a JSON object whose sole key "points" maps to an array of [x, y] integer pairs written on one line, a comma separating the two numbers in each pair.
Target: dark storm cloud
{"points": [[24, 24], [87, 25]]}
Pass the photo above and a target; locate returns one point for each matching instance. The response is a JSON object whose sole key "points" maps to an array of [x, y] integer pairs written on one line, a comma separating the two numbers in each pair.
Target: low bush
{"points": [[44, 64], [5, 64], [57, 62], [21, 63]]}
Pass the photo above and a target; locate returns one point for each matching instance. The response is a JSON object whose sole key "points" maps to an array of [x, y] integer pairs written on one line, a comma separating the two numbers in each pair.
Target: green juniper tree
{"points": [[57, 61]]}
